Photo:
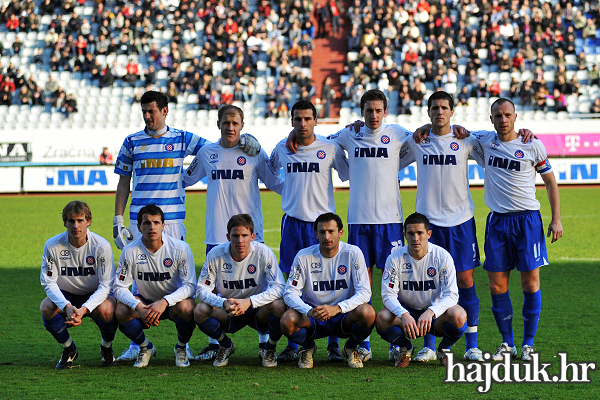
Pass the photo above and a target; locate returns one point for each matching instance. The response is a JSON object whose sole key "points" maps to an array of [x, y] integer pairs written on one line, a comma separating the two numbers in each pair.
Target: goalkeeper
{"points": [[153, 157]]}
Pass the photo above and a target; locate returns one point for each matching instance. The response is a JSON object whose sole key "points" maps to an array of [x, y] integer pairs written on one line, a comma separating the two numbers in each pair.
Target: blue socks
{"points": [[532, 305], [107, 329], [396, 336], [429, 341], [212, 328], [503, 313], [357, 335], [333, 341], [451, 335], [470, 302], [185, 329], [57, 328], [134, 330]]}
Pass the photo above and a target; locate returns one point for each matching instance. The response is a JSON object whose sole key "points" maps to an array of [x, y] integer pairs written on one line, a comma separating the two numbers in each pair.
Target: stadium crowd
{"points": [[539, 53], [535, 52]]}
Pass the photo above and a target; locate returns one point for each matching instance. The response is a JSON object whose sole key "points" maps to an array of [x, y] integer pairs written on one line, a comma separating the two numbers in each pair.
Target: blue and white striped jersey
{"points": [[156, 165]]}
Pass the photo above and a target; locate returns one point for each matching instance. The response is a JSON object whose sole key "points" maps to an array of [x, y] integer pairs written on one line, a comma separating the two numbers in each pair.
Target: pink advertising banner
{"points": [[569, 145]]}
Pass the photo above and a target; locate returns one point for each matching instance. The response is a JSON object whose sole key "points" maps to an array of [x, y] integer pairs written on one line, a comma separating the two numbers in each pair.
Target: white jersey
{"points": [[84, 270], [342, 280], [374, 158], [257, 277], [308, 187], [442, 177], [420, 284], [156, 165], [232, 178], [510, 169], [168, 273]]}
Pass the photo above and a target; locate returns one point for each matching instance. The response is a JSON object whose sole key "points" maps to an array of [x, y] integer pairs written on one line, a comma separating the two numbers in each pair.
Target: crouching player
{"points": [[162, 268], [248, 285], [77, 274], [420, 294], [336, 287]]}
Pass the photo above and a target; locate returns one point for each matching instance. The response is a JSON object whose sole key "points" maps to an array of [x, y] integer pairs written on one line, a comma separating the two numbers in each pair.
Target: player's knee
{"points": [[278, 308], [201, 312], [457, 316], [366, 314], [123, 313], [289, 322], [384, 320], [185, 309], [48, 309]]}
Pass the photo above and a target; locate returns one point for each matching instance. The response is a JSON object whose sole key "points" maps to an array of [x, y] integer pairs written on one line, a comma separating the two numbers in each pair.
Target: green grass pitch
{"points": [[569, 320]]}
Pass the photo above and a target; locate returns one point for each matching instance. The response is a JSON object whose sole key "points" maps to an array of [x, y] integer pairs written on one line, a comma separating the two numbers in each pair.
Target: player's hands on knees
{"points": [[237, 307], [151, 313], [71, 319], [424, 323], [324, 312], [409, 326], [527, 135], [556, 230], [356, 125]]}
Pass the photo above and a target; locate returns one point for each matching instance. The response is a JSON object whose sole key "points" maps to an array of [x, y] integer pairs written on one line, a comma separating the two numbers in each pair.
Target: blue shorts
{"points": [[76, 300], [514, 240], [295, 236], [377, 241], [249, 318], [332, 327], [209, 247], [416, 314], [460, 241], [164, 315]]}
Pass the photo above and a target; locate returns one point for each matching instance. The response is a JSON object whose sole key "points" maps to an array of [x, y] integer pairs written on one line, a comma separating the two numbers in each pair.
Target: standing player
{"points": [[514, 234], [240, 285], [232, 180], [336, 294], [77, 274], [310, 167], [162, 268], [419, 293], [443, 196], [153, 157]]}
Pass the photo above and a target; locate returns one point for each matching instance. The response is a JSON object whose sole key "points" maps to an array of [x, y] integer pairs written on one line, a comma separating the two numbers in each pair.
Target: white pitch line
{"points": [[576, 259], [270, 230]]}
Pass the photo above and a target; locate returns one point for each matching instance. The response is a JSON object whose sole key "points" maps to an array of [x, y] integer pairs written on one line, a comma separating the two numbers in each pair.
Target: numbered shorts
{"points": [[377, 241], [514, 240], [460, 241]]}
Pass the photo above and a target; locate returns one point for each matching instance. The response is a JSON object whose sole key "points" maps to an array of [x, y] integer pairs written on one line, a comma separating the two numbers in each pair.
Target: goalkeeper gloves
{"points": [[249, 144], [120, 233]]}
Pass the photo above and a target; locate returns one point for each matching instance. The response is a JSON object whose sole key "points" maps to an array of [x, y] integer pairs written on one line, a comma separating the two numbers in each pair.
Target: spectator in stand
{"points": [[495, 89], [540, 98], [595, 108], [335, 12], [106, 158], [560, 101], [132, 73], [322, 16], [69, 106], [25, 96], [463, 96], [595, 75], [526, 93], [5, 96]]}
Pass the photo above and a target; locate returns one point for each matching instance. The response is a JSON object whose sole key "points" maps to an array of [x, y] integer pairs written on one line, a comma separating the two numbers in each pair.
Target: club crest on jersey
{"points": [[431, 271], [385, 139], [169, 147], [454, 146], [90, 260], [321, 154], [342, 269], [519, 154], [251, 269], [167, 262], [241, 160]]}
